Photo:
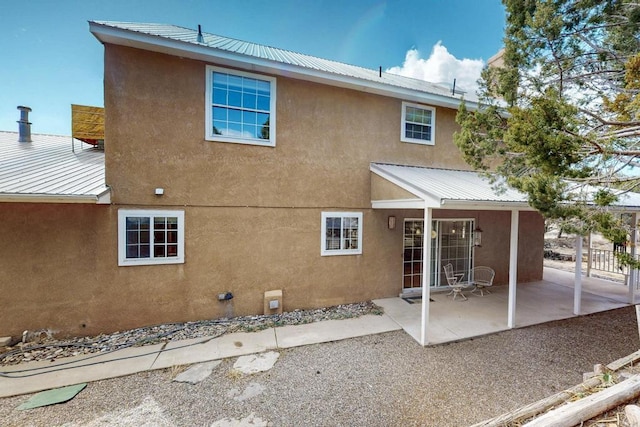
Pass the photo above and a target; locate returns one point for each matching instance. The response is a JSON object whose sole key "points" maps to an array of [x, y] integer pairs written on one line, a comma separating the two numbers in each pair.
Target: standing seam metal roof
{"points": [[468, 186], [47, 167], [215, 42], [449, 185]]}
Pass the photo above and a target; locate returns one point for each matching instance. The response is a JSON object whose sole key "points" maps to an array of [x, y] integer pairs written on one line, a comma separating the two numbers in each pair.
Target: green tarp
{"points": [[51, 397]]}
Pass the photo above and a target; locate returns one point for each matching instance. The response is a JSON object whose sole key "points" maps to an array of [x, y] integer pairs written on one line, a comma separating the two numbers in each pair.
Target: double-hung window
{"points": [[240, 107], [341, 233], [418, 124], [150, 237]]}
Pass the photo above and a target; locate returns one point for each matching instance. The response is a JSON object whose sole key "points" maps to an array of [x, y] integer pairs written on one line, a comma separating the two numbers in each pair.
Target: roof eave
{"points": [[103, 198], [485, 205], [123, 37]]}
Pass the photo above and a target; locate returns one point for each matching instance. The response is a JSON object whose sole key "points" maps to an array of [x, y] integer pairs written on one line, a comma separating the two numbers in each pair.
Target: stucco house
{"points": [[232, 169]]}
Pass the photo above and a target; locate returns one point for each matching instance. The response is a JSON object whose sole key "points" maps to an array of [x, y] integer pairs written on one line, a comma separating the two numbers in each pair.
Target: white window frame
{"points": [[208, 102], [403, 136], [323, 235], [123, 214]]}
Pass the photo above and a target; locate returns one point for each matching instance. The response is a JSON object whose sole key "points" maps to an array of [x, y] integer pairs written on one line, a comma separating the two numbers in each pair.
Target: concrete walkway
{"points": [[37, 376]]}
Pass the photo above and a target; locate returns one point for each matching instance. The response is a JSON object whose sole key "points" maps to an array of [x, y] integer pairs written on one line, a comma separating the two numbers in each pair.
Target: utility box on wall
{"points": [[273, 302]]}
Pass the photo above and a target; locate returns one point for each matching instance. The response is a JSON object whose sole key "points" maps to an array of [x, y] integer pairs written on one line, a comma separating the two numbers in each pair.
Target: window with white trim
{"points": [[418, 124], [240, 107], [150, 237], [341, 233]]}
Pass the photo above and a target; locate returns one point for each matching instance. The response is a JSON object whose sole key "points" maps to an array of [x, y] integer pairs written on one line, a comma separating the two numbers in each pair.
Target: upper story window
{"points": [[341, 233], [418, 124], [150, 237], [240, 107]]}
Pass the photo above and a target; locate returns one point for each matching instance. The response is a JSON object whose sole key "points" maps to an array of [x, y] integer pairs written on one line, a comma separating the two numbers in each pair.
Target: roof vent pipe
{"points": [[24, 125], [200, 38]]}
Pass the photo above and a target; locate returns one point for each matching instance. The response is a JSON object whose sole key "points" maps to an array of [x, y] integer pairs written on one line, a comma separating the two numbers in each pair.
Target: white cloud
{"points": [[441, 67]]}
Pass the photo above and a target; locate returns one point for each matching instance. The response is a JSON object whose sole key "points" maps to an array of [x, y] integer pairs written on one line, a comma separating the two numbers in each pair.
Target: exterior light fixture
{"points": [[477, 237], [391, 222]]}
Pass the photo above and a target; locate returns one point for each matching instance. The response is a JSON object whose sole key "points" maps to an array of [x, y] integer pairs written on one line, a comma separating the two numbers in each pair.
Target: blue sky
{"points": [[50, 60]]}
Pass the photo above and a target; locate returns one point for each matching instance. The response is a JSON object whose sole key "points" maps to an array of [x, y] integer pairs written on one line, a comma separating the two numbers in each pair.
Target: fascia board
{"points": [[487, 205], [398, 204], [118, 36], [52, 198]]}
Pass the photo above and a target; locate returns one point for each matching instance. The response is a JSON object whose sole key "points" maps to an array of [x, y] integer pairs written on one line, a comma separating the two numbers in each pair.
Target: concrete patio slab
{"points": [[334, 330], [537, 302]]}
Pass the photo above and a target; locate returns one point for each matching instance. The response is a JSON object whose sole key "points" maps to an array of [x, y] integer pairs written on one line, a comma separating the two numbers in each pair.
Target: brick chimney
{"points": [[24, 125]]}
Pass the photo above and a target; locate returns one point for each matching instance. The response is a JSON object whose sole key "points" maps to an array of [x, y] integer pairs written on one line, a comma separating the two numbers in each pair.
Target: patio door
{"points": [[451, 242], [455, 246], [412, 254]]}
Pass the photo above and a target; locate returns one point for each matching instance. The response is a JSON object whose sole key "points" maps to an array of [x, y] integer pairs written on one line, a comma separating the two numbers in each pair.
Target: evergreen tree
{"points": [[560, 120]]}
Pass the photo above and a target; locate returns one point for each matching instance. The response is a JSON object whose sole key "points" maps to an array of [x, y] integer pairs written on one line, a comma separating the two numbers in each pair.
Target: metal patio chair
{"points": [[454, 280], [481, 278]]}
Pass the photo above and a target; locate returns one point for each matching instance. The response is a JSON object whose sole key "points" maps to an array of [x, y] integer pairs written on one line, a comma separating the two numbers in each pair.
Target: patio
{"points": [[536, 302]]}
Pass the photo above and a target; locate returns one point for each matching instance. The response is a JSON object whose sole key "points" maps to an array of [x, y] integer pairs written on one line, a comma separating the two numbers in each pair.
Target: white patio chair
{"points": [[454, 280], [481, 278]]}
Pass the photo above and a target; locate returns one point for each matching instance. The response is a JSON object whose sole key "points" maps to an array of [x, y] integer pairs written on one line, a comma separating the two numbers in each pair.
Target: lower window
{"points": [[150, 237], [341, 233]]}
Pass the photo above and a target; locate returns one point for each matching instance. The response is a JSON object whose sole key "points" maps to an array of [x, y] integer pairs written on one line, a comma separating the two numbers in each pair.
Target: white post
{"points": [[513, 268], [426, 275], [577, 290], [633, 273], [589, 254], [638, 317]]}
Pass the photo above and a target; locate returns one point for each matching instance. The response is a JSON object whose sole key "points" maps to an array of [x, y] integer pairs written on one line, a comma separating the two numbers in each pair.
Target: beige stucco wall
{"points": [[55, 268], [252, 214], [326, 138], [62, 273]]}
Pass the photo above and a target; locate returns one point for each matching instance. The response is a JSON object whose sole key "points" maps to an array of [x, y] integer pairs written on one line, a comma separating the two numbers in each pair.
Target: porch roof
{"points": [[422, 187]]}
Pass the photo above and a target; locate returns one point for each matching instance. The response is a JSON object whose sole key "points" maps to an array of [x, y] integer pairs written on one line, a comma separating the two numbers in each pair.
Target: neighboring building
{"points": [[239, 168]]}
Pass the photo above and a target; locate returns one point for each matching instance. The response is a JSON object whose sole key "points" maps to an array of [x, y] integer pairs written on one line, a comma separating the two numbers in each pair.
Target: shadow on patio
{"points": [[536, 302]]}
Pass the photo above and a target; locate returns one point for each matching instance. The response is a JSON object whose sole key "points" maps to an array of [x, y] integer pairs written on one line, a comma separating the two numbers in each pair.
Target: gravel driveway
{"points": [[378, 380]]}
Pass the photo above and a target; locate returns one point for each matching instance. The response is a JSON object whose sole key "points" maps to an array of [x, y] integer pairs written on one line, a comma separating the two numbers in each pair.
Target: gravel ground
{"points": [[377, 380]]}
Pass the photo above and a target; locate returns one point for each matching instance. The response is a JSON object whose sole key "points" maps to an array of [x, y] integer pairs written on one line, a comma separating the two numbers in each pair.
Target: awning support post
{"points": [[589, 253], [577, 290], [633, 273], [513, 268], [426, 274]]}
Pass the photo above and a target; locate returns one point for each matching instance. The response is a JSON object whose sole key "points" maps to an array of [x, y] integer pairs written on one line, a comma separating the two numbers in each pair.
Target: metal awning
{"points": [[417, 187]]}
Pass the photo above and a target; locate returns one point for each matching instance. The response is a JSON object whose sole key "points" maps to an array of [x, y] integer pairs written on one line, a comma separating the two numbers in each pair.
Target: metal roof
{"points": [[628, 200], [448, 188], [46, 170], [181, 41], [442, 188]]}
